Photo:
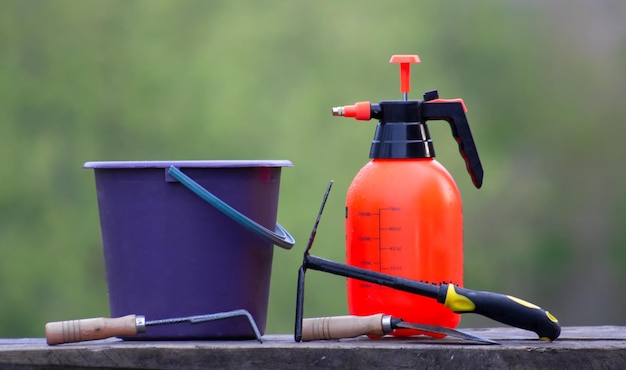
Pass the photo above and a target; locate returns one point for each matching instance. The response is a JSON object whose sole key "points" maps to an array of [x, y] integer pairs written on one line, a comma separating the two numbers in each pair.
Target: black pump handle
{"points": [[454, 112]]}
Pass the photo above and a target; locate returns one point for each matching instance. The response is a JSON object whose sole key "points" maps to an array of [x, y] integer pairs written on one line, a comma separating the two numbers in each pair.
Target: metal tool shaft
{"points": [[407, 285], [210, 317], [302, 269]]}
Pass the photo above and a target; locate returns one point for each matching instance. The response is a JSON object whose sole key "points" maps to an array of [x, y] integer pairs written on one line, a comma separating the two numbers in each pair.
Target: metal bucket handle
{"points": [[279, 237]]}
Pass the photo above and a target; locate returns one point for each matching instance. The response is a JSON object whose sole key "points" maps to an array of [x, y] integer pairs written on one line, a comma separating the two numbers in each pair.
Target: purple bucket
{"points": [[172, 252]]}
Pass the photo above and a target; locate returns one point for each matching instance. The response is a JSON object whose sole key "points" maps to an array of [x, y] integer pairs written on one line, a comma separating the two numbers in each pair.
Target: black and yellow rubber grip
{"points": [[500, 307]]}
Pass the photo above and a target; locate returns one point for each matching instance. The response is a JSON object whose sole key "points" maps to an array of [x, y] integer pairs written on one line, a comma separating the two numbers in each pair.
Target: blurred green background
{"points": [[544, 83]]}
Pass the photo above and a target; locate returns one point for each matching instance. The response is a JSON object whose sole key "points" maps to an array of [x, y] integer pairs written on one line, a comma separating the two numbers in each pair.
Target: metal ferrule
{"points": [[386, 321], [140, 323]]}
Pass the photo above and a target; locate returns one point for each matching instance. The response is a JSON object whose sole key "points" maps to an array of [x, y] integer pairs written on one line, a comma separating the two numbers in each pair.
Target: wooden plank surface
{"points": [[601, 347]]}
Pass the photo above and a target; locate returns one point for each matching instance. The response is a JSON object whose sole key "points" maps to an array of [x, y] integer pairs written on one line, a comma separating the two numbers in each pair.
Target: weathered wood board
{"points": [[599, 347]]}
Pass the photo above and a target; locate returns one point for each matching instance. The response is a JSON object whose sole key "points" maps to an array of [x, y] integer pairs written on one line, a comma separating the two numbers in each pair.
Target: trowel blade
{"points": [[443, 330]]}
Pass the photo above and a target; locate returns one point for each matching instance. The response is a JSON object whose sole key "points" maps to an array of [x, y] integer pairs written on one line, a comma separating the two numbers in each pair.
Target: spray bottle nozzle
{"points": [[363, 111]]}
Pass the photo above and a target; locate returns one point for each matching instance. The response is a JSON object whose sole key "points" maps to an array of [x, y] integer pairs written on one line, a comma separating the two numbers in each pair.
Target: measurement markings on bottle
{"points": [[387, 235]]}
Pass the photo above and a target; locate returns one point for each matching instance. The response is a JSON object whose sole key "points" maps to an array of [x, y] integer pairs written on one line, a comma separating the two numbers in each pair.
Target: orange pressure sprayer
{"points": [[403, 209]]}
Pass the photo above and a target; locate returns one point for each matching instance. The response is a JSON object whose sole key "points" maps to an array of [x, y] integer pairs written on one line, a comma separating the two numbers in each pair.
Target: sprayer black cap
{"points": [[400, 133]]}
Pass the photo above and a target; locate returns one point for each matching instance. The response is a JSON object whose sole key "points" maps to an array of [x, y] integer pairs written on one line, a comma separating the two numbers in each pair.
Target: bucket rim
{"points": [[231, 163]]}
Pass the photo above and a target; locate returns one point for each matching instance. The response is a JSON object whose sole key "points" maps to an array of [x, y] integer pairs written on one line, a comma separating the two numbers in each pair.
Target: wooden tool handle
{"points": [[341, 327], [72, 331]]}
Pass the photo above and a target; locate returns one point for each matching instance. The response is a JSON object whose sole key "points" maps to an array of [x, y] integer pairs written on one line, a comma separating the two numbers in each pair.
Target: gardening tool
{"points": [[351, 326], [500, 307], [404, 212], [72, 331]]}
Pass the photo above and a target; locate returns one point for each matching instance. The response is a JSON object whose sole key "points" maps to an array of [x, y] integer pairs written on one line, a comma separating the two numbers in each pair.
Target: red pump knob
{"points": [[405, 62]]}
